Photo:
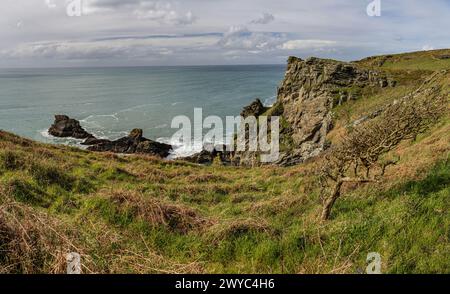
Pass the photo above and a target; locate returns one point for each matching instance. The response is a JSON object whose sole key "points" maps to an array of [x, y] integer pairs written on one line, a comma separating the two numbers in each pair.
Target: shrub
{"points": [[359, 157], [156, 212]]}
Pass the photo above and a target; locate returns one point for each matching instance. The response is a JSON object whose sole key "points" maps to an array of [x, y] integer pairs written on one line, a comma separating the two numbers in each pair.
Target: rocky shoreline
{"points": [[134, 143]]}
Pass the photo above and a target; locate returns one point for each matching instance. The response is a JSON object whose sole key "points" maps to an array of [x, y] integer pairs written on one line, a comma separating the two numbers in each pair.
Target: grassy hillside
{"points": [[423, 61], [137, 214]]}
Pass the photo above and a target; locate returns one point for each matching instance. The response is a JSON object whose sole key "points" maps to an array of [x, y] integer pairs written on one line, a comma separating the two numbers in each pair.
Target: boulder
{"points": [[64, 127]]}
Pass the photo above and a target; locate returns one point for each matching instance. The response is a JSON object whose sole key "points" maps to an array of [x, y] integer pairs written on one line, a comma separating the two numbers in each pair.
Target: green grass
{"points": [[415, 61], [228, 220]]}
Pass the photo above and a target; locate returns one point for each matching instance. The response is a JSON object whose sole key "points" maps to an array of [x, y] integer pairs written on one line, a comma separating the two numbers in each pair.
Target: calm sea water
{"points": [[110, 102]]}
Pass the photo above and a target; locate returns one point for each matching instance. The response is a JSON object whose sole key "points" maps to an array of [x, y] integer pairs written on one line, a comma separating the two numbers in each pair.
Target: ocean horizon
{"points": [[111, 101]]}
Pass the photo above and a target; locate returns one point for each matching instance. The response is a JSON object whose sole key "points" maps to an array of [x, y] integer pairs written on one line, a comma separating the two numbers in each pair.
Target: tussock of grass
{"points": [[156, 212], [231, 229]]}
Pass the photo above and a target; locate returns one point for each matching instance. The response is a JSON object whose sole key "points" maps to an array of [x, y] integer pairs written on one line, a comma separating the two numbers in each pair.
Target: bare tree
{"points": [[359, 156]]}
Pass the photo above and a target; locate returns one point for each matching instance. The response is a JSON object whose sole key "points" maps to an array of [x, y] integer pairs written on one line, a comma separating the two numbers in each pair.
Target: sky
{"points": [[76, 33]]}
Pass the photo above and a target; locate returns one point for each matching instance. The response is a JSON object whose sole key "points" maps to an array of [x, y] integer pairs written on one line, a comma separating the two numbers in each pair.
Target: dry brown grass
{"points": [[228, 229], [277, 205], [150, 262], [32, 242], [205, 178], [418, 157], [157, 212]]}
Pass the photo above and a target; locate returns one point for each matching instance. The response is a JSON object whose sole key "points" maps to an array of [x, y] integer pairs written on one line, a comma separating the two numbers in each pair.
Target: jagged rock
{"points": [[310, 90], [209, 154], [308, 94], [202, 157], [256, 108], [136, 134], [133, 143], [93, 141], [64, 127]]}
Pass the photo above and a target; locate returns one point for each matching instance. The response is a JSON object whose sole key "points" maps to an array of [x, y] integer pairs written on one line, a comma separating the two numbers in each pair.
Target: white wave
{"points": [[161, 126], [45, 134], [269, 102], [183, 150], [137, 107], [64, 141], [89, 118]]}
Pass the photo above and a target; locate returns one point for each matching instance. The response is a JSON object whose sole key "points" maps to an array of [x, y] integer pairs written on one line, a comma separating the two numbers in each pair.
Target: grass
{"points": [[415, 61], [150, 216], [139, 214]]}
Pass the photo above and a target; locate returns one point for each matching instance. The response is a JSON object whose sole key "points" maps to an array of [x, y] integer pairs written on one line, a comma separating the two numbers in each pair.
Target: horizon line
{"points": [[142, 66]]}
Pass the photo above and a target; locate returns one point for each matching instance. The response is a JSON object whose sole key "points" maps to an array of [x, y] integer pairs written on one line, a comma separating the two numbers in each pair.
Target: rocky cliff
{"points": [[310, 90]]}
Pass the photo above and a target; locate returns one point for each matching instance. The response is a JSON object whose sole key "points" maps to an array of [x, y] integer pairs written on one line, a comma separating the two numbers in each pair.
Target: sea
{"points": [[109, 102]]}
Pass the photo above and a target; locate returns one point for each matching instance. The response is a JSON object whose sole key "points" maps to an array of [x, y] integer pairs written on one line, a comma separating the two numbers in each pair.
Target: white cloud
{"points": [[240, 37], [123, 29], [156, 11], [163, 13], [307, 44], [266, 18], [125, 48]]}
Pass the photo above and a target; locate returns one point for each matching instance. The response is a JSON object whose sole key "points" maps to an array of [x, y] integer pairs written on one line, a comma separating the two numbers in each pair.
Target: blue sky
{"points": [[40, 33]]}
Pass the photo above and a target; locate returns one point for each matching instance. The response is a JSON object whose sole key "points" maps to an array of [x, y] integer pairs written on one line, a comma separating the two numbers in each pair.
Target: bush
{"points": [[128, 206]]}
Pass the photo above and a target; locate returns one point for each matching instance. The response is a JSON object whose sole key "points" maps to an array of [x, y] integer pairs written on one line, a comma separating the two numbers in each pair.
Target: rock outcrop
{"points": [[64, 127], [256, 108], [133, 143], [208, 156], [310, 90]]}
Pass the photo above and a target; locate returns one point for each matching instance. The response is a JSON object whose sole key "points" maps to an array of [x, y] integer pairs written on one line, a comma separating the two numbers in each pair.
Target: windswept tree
{"points": [[359, 157]]}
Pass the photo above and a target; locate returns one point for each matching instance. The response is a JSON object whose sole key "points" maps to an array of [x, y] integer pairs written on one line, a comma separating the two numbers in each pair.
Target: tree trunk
{"points": [[328, 205]]}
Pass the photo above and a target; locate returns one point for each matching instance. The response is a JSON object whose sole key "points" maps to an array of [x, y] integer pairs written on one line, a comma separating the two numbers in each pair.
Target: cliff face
{"points": [[310, 90]]}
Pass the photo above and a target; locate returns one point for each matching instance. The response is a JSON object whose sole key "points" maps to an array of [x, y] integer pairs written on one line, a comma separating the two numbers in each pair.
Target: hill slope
{"points": [[138, 214]]}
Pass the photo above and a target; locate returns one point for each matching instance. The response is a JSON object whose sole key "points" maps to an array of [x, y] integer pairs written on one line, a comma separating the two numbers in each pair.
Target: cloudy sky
{"points": [[51, 33]]}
